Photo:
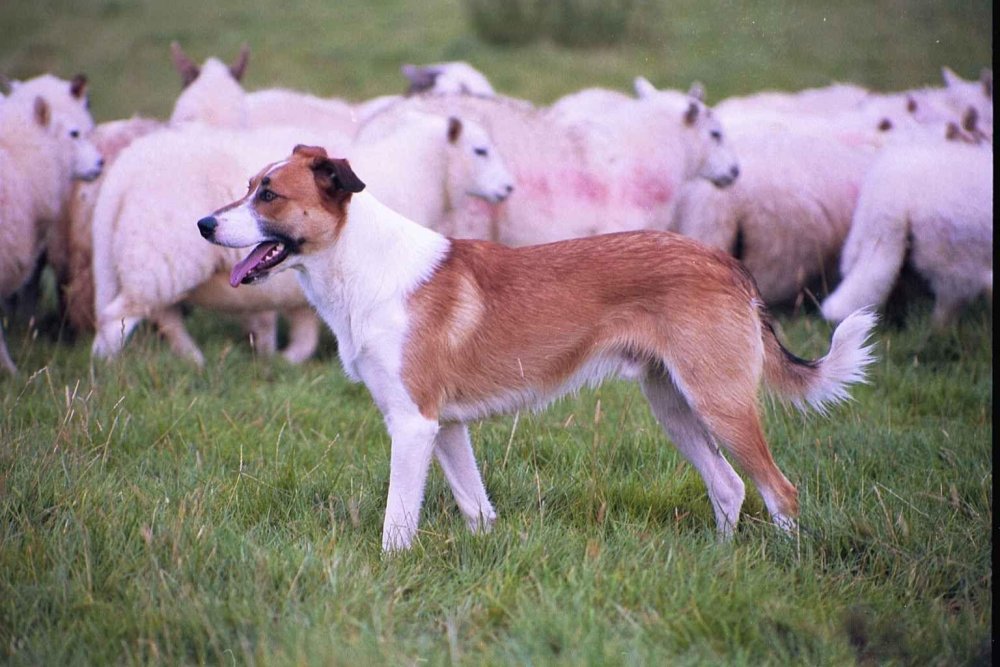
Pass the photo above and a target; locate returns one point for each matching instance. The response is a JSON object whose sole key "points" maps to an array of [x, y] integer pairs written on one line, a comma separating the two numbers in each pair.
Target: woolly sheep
{"points": [[69, 250], [129, 233], [787, 215], [212, 93], [44, 124], [928, 203], [579, 178]]}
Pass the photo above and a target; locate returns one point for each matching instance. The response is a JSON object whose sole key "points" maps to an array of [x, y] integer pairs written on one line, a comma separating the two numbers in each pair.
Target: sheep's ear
{"points": [[421, 79], [691, 114], [78, 86], [454, 129], [186, 67], [970, 119], [697, 91], [949, 77], [239, 66], [952, 133], [911, 104], [643, 88], [43, 114], [986, 80]]}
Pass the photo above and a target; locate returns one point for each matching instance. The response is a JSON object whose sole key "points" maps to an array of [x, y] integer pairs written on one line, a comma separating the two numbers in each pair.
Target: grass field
{"points": [[151, 513]]}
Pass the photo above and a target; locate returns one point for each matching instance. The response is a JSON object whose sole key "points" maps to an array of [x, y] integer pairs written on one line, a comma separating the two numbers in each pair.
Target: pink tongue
{"points": [[246, 265]]}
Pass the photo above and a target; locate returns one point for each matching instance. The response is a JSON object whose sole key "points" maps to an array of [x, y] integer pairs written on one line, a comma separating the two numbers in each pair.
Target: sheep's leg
{"points": [[874, 273], [170, 323], [5, 361], [303, 335], [114, 325], [262, 329]]}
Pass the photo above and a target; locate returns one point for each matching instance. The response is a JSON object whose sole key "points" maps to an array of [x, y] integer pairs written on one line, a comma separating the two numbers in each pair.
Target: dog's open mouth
{"points": [[255, 266]]}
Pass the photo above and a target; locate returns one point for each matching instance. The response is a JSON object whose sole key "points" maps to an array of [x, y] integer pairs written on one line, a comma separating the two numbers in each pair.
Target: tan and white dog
{"points": [[445, 331]]}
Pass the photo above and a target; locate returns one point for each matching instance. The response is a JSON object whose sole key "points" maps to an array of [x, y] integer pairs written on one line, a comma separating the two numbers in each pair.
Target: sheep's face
{"points": [[712, 157], [475, 166], [62, 109]]}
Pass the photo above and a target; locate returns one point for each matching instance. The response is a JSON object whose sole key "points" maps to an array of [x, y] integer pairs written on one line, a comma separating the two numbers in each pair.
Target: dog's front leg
{"points": [[412, 446]]}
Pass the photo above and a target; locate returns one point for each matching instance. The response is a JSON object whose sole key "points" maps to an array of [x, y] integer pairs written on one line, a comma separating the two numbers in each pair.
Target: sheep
{"points": [[929, 204], [449, 77], [280, 106], [44, 124], [787, 215], [211, 96], [212, 93], [576, 178], [69, 250], [143, 275]]}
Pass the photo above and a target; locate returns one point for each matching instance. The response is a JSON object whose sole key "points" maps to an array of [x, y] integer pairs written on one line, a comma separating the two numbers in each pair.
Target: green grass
{"points": [[150, 513]]}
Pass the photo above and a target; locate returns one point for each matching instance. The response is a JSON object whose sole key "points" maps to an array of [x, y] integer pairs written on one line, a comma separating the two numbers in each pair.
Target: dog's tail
{"points": [[821, 382]]}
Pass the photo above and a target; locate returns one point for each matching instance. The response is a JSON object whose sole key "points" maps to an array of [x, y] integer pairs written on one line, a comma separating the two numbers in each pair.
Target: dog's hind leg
{"points": [[725, 488], [454, 452], [734, 423]]}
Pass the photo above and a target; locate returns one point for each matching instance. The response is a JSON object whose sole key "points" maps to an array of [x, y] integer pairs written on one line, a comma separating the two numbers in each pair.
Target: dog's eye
{"points": [[75, 134], [716, 136], [267, 195], [481, 152]]}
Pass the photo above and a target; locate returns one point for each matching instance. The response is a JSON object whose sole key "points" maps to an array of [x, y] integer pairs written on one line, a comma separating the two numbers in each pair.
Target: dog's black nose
{"points": [[207, 226]]}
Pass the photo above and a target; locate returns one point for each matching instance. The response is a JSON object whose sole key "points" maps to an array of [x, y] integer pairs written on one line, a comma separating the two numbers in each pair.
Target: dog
{"points": [[445, 331]]}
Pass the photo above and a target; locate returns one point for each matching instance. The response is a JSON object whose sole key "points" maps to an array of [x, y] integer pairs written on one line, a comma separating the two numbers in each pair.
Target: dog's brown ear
{"points": [[335, 177], [186, 67], [239, 66], [78, 86], [309, 151]]}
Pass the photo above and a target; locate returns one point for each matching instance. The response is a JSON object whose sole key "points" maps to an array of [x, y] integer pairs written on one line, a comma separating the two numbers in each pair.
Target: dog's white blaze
{"points": [[239, 227]]}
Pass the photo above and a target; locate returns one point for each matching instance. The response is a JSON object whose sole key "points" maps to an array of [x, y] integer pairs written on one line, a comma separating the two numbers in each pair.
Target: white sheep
{"points": [[281, 106], [212, 93], [928, 203], [449, 77], [44, 124], [69, 248], [787, 215], [581, 178], [148, 257]]}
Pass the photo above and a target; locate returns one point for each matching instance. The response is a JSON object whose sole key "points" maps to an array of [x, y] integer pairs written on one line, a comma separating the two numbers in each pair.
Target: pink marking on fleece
{"points": [[648, 190]]}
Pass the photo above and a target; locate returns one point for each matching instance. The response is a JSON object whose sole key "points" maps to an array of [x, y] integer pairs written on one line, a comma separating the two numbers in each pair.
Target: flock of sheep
{"points": [[828, 186]]}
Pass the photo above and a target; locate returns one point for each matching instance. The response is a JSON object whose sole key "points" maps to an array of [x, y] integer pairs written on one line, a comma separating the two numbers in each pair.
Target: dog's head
{"points": [[292, 208]]}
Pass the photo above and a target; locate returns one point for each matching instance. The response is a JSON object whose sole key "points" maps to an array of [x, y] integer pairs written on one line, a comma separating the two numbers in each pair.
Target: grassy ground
{"points": [[151, 513]]}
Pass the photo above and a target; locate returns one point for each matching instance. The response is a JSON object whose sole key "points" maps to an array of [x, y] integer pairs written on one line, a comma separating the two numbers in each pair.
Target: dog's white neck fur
{"points": [[360, 284]]}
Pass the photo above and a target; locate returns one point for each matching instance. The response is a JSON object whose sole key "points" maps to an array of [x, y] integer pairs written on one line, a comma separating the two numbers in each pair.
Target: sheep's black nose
{"points": [[207, 226]]}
